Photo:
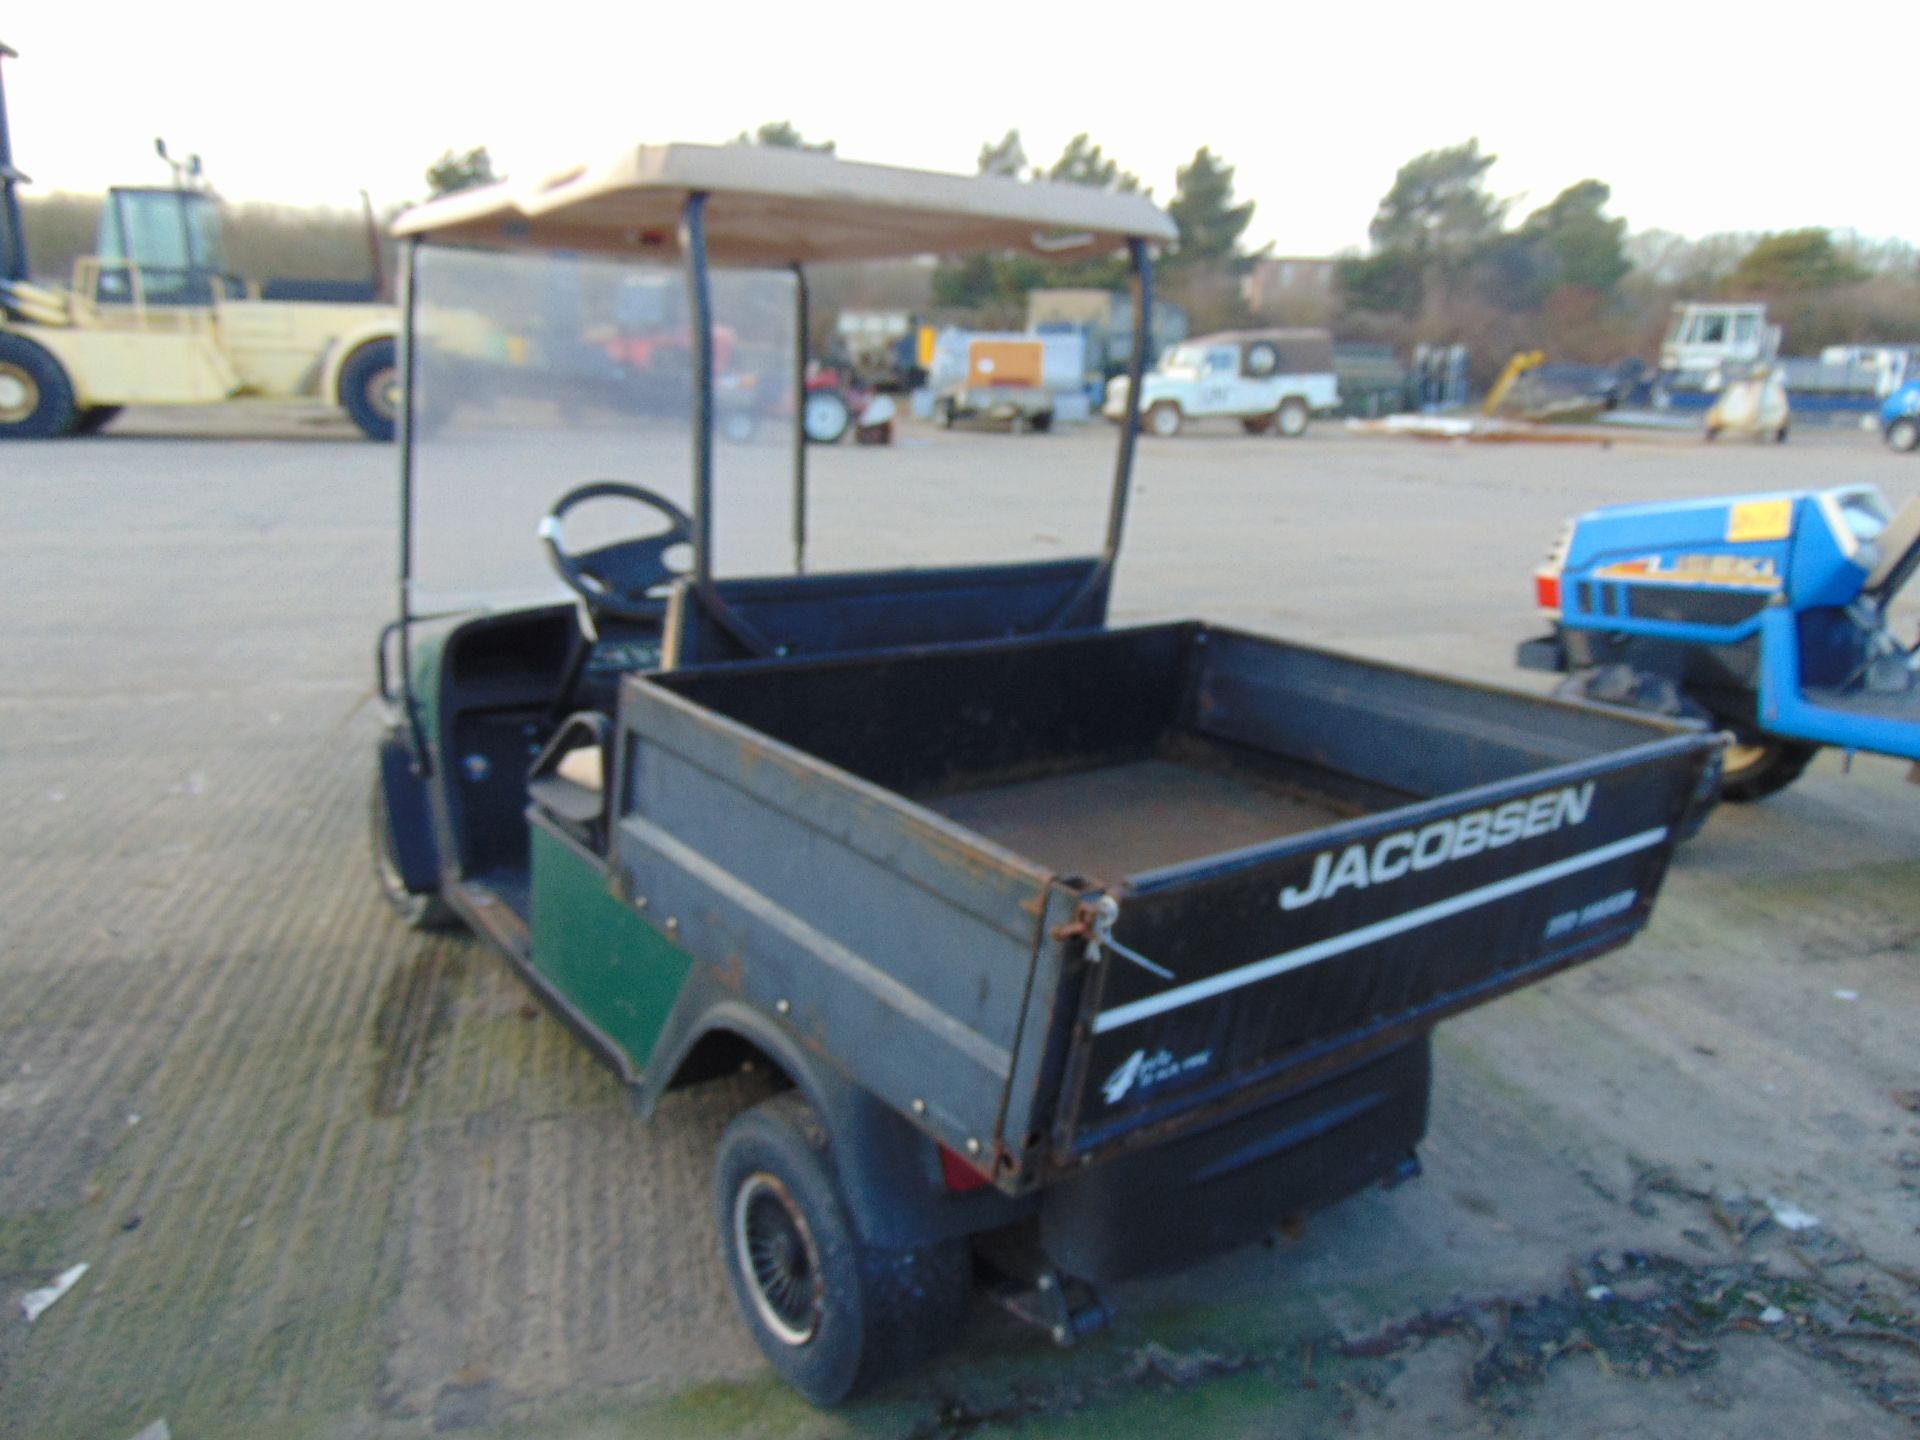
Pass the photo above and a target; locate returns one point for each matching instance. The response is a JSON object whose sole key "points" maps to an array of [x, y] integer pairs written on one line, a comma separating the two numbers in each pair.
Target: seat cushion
{"points": [[585, 767]]}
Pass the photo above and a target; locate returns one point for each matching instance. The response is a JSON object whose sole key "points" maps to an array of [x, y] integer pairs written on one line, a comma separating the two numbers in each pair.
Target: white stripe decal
{"points": [[1367, 934]]}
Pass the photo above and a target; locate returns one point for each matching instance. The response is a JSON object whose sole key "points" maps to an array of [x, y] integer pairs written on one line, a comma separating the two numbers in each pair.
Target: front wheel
{"points": [[832, 1315], [1904, 435], [1163, 419], [36, 398], [1754, 767], [420, 912], [370, 389]]}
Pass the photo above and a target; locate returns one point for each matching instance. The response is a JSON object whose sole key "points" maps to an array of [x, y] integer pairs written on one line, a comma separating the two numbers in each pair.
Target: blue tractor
{"points": [[1900, 417], [1764, 615]]}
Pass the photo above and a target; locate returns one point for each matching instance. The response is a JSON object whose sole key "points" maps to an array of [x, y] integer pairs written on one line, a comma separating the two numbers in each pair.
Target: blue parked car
{"points": [[1900, 417]]}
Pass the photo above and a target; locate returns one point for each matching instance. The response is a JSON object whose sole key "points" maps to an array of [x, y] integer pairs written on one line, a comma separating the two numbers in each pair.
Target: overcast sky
{"points": [[1702, 117]]}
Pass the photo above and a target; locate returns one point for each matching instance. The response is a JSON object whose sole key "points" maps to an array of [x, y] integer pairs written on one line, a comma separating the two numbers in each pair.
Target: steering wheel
{"points": [[617, 579]]}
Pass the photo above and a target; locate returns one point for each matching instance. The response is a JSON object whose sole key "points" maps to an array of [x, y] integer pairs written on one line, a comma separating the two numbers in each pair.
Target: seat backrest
{"points": [[1899, 551], [835, 614]]}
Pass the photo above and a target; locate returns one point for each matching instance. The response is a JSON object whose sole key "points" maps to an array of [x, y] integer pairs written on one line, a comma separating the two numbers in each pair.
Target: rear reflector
{"points": [[1546, 590], [960, 1176]]}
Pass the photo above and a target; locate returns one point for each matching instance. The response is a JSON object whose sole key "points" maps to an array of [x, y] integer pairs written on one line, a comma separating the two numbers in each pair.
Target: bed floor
{"points": [[1123, 819]]}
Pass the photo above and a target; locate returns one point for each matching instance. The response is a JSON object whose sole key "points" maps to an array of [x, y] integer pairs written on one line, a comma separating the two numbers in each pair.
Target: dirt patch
{"points": [[1644, 1316]]}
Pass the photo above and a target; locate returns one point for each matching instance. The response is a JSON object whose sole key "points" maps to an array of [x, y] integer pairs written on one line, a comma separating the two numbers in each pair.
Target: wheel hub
{"points": [[823, 415], [19, 396], [778, 1259], [383, 391]]}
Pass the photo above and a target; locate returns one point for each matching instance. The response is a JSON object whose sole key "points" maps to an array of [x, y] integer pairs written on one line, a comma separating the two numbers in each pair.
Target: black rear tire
{"points": [[833, 1315], [370, 390], [36, 398], [420, 912], [1755, 767]]}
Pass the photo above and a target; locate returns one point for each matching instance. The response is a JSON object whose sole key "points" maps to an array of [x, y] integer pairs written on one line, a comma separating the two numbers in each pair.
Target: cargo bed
{"points": [[1188, 801], [1057, 897]]}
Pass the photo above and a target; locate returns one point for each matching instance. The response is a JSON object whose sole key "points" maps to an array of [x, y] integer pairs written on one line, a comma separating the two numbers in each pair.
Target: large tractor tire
{"points": [[36, 397], [370, 389], [1632, 689], [833, 1315], [1756, 766]]}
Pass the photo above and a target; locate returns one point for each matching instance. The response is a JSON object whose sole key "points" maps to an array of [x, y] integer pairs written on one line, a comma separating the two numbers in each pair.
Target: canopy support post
{"points": [[1071, 611], [409, 404], [1142, 264], [801, 321], [693, 250]]}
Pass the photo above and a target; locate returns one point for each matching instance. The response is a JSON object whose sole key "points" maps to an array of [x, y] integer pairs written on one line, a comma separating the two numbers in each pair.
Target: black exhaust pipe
{"points": [[13, 231]]}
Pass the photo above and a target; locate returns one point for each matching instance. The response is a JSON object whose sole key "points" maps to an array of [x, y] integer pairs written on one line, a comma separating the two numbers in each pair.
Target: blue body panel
{"points": [[1904, 401], [1666, 572]]}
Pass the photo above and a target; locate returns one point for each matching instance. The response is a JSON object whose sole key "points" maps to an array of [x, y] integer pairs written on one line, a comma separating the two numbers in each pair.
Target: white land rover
{"points": [[1268, 380]]}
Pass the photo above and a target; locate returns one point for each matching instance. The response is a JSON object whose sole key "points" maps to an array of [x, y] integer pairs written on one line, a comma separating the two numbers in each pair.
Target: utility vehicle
{"points": [[1900, 418], [153, 317], [1766, 615], [1074, 951], [1268, 380]]}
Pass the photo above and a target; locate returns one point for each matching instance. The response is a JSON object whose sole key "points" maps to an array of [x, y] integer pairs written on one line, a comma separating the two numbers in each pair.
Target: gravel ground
{"points": [[332, 1179]]}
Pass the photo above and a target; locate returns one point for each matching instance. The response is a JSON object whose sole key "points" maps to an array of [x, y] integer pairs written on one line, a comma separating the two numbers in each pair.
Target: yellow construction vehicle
{"points": [[152, 317]]}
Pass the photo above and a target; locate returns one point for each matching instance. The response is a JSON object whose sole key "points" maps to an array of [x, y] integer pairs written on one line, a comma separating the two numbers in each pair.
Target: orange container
{"points": [[1003, 362]]}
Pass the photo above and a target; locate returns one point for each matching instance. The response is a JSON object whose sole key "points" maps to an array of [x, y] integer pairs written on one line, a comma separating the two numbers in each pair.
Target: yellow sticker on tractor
{"points": [[1760, 520]]}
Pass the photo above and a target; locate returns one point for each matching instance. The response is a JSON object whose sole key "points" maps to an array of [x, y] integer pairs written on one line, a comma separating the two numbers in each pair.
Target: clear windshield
{"points": [[1186, 358], [536, 373]]}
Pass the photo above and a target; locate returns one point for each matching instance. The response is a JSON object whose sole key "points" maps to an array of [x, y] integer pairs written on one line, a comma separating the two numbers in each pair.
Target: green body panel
{"points": [[613, 967]]}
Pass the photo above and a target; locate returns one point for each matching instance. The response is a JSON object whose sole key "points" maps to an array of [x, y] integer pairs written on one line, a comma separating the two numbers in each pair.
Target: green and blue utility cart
{"points": [[1071, 952]]}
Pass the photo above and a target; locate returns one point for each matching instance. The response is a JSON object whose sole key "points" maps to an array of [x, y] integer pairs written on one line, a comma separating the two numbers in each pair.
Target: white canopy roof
{"points": [[770, 206]]}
